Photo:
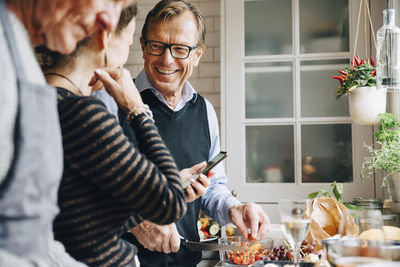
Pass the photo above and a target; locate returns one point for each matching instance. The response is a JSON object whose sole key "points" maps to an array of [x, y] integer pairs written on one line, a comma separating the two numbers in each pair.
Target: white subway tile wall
{"points": [[206, 77]]}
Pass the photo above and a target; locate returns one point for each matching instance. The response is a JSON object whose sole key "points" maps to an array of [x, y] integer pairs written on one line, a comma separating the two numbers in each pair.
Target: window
{"points": [[286, 134]]}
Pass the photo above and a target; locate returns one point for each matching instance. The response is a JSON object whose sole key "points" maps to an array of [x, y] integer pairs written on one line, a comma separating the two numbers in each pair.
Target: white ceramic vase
{"points": [[393, 183], [366, 103]]}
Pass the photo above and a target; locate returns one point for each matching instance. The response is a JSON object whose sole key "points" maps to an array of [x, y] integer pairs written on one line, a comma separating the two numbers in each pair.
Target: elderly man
{"points": [[173, 42], [30, 139]]}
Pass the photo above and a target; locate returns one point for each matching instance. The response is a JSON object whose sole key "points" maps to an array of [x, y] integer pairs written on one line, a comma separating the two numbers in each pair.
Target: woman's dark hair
{"points": [[51, 59], [127, 14]]}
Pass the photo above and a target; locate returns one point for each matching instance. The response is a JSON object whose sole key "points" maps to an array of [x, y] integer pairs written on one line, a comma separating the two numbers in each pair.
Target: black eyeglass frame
{"points": [[169, 46]]}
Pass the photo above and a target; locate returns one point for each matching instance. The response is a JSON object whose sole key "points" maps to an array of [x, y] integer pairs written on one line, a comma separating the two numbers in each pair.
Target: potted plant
{"points": [[359, 82], [385, 154]]}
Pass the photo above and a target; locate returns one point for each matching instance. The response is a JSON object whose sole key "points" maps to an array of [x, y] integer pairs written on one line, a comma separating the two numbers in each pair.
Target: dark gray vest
{"points": [[186, 134]]}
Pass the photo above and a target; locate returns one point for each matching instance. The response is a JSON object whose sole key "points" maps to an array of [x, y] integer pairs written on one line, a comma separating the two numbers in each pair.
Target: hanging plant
{"points": [[360, 73], [385, 154], [359, 82]]}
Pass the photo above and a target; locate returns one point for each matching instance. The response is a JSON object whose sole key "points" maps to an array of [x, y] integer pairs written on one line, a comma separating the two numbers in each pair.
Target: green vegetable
{"points": [[337, 190], [214, 228], [321, 192], [352, 207], [313, 195]]}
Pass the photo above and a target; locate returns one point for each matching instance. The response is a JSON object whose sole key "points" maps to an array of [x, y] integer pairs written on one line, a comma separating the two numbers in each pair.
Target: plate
{"points": [[210, 238]]}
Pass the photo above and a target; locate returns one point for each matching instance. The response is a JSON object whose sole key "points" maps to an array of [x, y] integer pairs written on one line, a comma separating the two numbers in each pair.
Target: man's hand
{"points": [[249, 216], [154, 237], [198, 187]]}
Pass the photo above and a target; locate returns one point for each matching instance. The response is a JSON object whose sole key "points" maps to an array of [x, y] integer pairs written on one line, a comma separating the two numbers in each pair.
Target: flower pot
{"points": [[393, 183], [366, 103]]}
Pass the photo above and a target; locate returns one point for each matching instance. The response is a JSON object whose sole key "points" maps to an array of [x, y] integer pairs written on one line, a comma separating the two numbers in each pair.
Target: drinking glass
{"points": [[372, 219], [295, 220], [367, 247]]}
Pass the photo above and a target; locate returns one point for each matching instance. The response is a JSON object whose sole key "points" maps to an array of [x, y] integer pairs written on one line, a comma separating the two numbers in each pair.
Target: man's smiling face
{"points": [[166, 73]]}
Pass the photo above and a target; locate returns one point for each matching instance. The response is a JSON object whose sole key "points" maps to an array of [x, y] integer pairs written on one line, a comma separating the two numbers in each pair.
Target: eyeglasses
{"points": [[178, 51]]}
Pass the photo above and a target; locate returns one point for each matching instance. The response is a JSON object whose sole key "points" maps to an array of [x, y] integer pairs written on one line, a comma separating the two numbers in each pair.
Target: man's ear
{"points": [[143, 46], [198, 54], [103, 38]]}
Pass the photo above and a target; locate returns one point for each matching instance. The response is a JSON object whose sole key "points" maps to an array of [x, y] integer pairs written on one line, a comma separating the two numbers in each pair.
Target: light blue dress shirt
{"points": [[218, 199]]}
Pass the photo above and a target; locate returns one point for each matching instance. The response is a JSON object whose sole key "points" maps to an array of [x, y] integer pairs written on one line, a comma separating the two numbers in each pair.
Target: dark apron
{"points": [[28, 196]]}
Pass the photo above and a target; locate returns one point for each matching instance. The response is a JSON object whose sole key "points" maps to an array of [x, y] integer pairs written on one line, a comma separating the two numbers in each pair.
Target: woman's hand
{"points": [[119, 84]]}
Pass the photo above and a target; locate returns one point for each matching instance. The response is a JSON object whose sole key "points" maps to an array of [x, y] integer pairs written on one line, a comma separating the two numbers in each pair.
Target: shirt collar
{"points": [[188, 93]]}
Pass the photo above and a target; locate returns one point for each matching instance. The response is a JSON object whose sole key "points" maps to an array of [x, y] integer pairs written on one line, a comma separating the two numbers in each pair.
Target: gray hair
{"points": [[168, 9]]}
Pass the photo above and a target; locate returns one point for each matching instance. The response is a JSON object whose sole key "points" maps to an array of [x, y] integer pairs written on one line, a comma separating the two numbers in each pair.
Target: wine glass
{"points": [[296, 221]]}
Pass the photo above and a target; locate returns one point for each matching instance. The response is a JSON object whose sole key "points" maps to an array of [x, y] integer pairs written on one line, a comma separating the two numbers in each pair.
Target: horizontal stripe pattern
{"points": [[106, 179]]}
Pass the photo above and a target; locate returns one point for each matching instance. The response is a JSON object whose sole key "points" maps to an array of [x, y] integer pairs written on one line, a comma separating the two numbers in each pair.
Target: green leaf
{"points": [[325, 193], [313, 194], [357, 76], [337, 190], [385, 153], [352, 207]]}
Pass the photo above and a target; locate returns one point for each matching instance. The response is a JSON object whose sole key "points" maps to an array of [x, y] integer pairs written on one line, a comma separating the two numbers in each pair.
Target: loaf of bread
{"points": [[391, 233]]}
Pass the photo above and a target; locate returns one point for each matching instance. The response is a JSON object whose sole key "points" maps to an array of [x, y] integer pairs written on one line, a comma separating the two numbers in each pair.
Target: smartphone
{"points": [[214, 161], [211, 164]]}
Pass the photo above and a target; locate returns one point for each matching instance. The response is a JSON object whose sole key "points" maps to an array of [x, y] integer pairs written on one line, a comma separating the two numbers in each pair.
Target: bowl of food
{"points": [[352, 249], [253, 250]]}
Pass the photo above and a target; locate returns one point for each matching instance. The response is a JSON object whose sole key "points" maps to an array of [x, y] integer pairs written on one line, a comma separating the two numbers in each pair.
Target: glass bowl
{"points": [[255, 250], [330, 246], [354, 249]]}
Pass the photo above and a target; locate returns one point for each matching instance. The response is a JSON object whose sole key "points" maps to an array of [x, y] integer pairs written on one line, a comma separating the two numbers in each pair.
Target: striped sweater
{"points": [[106, 179]]}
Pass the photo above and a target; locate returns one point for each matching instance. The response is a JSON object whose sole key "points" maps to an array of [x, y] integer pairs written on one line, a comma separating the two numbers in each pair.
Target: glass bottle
{"points": [[388, 53]]}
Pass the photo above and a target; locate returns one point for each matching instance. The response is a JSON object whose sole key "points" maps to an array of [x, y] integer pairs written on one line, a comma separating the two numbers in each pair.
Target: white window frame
{"points": [[233, 120]]}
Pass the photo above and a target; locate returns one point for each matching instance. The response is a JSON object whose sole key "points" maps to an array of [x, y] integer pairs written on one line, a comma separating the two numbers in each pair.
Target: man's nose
{"points": [[167, 57]]}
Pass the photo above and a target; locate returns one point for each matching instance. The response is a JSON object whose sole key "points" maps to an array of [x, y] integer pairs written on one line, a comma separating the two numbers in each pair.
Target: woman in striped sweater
{"points": [[105, 177]]}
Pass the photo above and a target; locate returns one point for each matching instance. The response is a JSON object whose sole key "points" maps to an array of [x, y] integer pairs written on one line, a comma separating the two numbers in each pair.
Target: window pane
{"points": [[269, 154], [268, 27], [269, 90], [326, 153], [324, 26], [318, 86]]}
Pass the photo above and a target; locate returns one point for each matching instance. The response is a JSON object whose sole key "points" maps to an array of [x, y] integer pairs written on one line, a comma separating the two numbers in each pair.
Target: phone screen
{"points": [[214, 161], [211, 164]]}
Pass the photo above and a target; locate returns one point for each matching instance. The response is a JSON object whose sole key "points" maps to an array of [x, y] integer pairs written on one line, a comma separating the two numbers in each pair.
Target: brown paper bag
{"points": [[326, 213]]}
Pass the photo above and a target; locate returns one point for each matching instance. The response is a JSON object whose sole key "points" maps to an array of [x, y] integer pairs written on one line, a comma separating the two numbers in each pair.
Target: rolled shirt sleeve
{"points": [[218, 199]]}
